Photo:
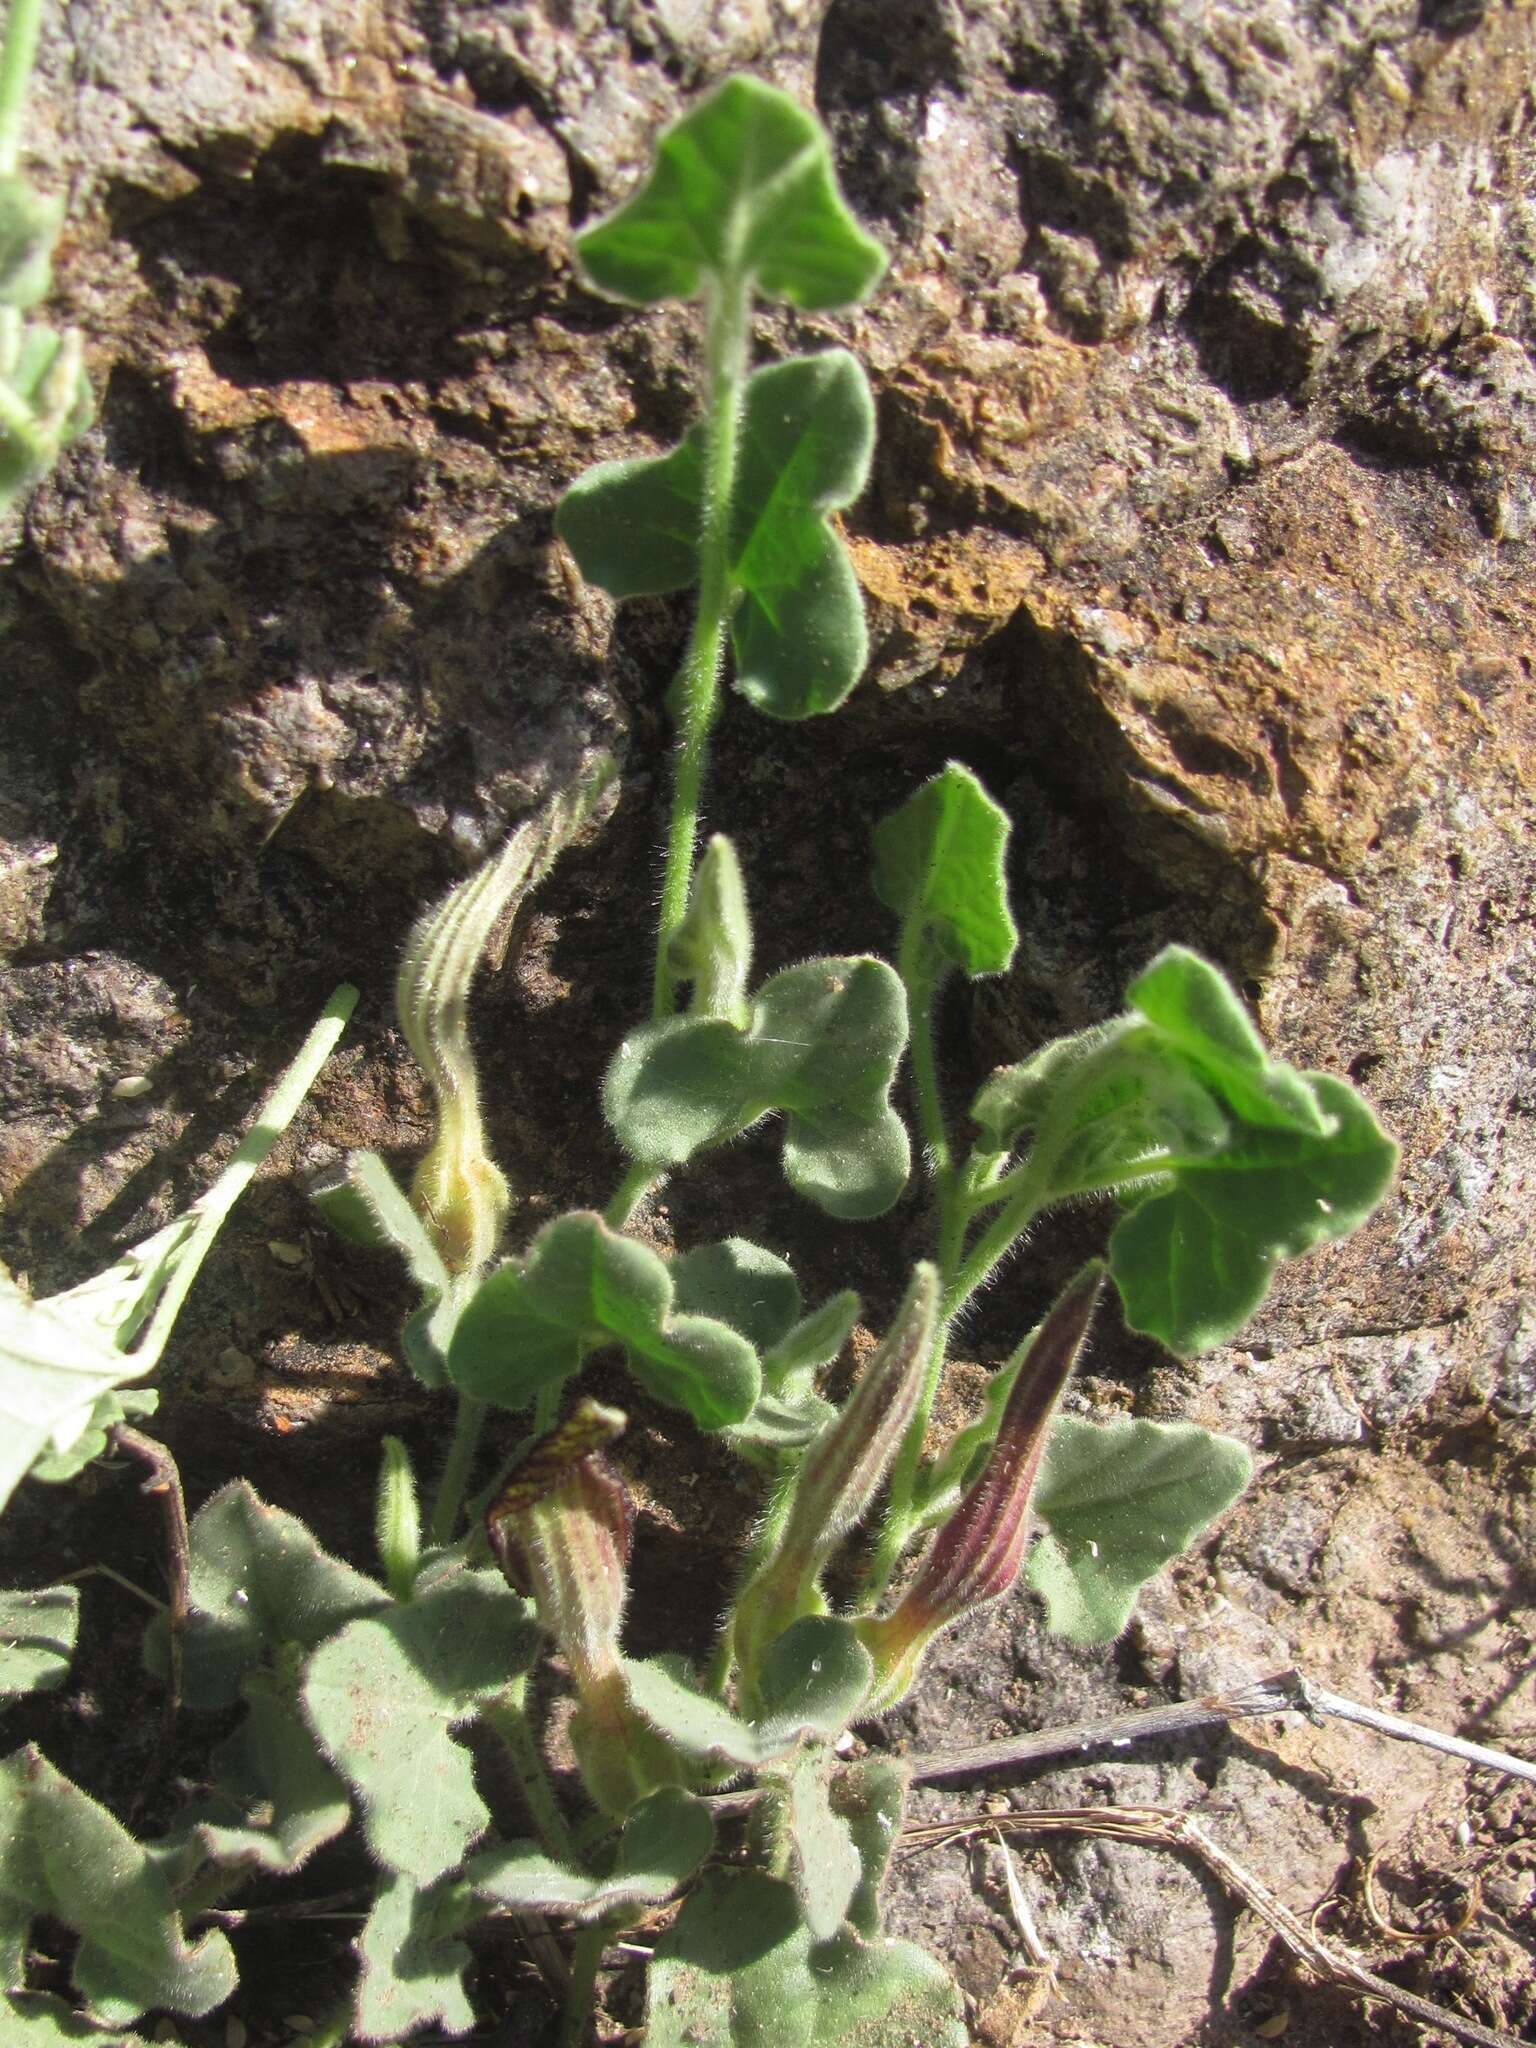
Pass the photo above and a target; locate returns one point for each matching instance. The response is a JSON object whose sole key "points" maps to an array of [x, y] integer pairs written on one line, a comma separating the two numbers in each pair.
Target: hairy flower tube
{"points": [[977, 1554], [561, 1530]]}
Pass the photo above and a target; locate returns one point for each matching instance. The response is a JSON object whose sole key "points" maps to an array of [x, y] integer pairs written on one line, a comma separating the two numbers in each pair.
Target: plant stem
{"points": [[581, 1999], [1006, 1228], [467, 1425], [916, 969], [632, 1190], [765, 1540], [695, 695], [21, 25], [508, 1716]]}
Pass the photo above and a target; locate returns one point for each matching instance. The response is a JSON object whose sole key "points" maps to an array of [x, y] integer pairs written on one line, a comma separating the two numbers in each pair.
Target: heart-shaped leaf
{"points": [[584, 1284], [384, 1696], [797, 629], [815, 1341], [63, 1855], [823, 1045], [1194, 1260], [742, 186], [1119, 1501], [940, 865]]}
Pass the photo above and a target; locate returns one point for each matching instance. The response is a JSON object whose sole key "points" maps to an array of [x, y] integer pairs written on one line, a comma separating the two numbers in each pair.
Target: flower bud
{"points": [[839, 1477], [977, 1553]]}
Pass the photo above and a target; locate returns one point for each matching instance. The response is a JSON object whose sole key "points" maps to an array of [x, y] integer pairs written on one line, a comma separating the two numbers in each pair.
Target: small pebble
{"points": [[164, 2031], [285, 1254], [1271, 2029], [997, 1803], [298, 2023], [131, 1087], [234, 2032]]}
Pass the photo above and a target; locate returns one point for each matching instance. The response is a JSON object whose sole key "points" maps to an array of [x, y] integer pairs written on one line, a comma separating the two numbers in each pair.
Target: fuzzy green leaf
{"points": [[664, 1841], [63, 1855], [777, 1425], [583, 1284], [742, 1284], [871, 1796], [940, 865], [814, 1676], [121, 1404], [260, 1583], [384, 1696], [29, 227], [1119, 1501], [1193, 1009], [33, 2019], [37, 1639], [738, 1969], [824, 1867], [742, 186], [823, 1046], [503, 1350], [697, 1725], [1129, 1108], [412, 1965], [1194, 1260], [275, 1799], [797, 629]]}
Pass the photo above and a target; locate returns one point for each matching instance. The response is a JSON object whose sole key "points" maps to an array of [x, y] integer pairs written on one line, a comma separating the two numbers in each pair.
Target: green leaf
{"points": [[362, 1201], [743, 185], [742, 1284], [1013, 1100], [583, 1284], [32, 2019], [412, 1966], [1193, 1009], [738, 1969], [63, 1855], [789, 1367], [1193, 1261], [37, 1639], [1130, 1107], [776, 1425], [940, 864], [502, 1350], [733, 1969], [871, 1796], [664, 1841], [697, 1725], [1119, 1501], [384, 1696], [797, 629], [260, 1585], [823, 1045], [824, 1868], [814, 1676], [275, 1799]]}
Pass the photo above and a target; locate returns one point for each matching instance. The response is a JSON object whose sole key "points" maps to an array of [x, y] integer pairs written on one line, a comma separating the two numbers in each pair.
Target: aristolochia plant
{"points": [[357, 1693]]}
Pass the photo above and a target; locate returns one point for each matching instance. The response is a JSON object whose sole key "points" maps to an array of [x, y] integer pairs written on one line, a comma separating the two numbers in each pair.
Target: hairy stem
{"points": [[916, 969], [581, 1999], [507, 1714], [765, 1539], [998, 1239], [696, 693], [21, 25], [468, 1423], [631, 1192]]}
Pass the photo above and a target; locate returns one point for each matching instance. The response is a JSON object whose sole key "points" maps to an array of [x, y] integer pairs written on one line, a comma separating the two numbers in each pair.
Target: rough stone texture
{"points": [[1202, 525]]}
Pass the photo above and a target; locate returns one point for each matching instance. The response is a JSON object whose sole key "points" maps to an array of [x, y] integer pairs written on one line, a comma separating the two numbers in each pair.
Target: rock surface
{"points": [[1202, 525]]}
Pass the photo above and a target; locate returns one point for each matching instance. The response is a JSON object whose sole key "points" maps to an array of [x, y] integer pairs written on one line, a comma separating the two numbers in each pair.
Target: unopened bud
{"points": [[977, 1554], [840, 1476]]}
